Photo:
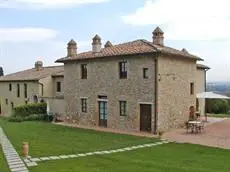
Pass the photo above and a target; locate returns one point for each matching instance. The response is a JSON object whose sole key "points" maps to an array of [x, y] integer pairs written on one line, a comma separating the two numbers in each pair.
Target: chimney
{"points": [[71, 48], [96, 45], [158, 37], [38, 65], [184, 50], [108, 44]]}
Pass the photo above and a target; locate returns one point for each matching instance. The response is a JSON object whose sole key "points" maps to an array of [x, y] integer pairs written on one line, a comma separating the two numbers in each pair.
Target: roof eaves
{"points": [[18, 80], [101, 57]]}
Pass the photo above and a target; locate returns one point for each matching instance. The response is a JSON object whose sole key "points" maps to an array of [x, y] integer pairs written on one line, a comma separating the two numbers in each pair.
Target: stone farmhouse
{"points": [[134, 86]]}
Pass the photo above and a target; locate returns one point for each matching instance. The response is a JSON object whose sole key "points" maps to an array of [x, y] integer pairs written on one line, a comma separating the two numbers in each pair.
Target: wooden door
{"points": [[145, 117], [103, 112]]}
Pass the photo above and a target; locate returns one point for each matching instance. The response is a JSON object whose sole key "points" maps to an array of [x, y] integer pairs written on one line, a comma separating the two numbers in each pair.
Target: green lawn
{"points": [[164, 158], [47, 139], [3, 163], [219, 115]]}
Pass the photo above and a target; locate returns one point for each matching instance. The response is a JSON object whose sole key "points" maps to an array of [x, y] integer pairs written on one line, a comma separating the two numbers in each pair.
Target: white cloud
{"points": [[40, 4], [26, 34], [185, 20]]}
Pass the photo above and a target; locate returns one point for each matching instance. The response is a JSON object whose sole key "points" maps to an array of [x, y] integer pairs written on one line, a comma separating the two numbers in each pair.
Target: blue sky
{"points": [[33, 30]]}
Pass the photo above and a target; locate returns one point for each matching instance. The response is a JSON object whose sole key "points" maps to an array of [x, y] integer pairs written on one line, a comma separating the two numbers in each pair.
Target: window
{"points": [[18, 90], [123, 108], [6, 101], [83, 71], [145, 73], [58, 86], [10, 87], [25, 90], [26, 102], [123, 69], [84, 105], [191, 88]]}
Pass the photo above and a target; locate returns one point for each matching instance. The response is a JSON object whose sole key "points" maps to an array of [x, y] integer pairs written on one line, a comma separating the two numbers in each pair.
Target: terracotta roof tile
{"points": [[130, 48], [32, 74]]}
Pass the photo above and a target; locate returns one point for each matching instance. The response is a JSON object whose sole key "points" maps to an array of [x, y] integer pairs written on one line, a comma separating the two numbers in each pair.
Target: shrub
{"points": [[217, 106], [16, 119], [34, 117], [26, 110]]}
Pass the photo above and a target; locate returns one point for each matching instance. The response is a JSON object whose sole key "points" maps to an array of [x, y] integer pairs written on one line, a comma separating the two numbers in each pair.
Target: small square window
{"points": [[145, 73], [123, 108], [191, 88], [84, 105]]}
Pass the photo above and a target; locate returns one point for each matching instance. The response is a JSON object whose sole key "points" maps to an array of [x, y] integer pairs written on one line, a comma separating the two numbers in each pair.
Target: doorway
{"points": [[103, 113], [145, 117]]}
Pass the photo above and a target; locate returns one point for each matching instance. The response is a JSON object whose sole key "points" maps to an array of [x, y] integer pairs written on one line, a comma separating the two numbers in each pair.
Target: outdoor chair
{"points": [[200, 127]]}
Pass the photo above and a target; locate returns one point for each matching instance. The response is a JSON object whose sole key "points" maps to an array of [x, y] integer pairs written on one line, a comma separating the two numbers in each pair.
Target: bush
{"points": [[34, 117], [16, 119], [217, 106], [26, 110]]}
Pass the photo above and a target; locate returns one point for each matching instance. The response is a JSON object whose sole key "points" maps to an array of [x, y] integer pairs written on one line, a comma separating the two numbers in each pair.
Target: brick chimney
{"points": [[96, 45], [38, 65], [158, 37], [72, 48]]}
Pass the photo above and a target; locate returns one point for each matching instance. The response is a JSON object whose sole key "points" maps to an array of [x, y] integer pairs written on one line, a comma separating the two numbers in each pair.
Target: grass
{"points": [[47, 139], [3, 163], [219, 115], [168, 157]]}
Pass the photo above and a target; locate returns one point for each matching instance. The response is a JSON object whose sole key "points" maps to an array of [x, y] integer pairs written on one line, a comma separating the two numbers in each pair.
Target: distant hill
{"points": [[219, 87]]}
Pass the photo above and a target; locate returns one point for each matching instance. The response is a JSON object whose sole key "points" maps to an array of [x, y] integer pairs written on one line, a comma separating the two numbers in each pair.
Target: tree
{"points": [[1, 71]]}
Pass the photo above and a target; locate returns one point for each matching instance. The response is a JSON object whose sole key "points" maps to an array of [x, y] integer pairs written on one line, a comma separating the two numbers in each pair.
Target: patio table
{"points": [[194, 125]]}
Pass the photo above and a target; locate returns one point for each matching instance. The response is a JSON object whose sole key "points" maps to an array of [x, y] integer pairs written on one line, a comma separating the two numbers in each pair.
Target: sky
{"points": [[32, 30]]}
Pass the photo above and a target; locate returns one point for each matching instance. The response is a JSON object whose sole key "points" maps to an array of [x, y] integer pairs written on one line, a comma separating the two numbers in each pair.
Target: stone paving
{"points": [[50, 158], [13, 159], [216, 134]]}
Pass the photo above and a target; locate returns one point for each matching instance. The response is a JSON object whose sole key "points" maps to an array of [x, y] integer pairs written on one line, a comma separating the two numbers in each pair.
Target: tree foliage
{"points": [[1, 71], [217, 106]]}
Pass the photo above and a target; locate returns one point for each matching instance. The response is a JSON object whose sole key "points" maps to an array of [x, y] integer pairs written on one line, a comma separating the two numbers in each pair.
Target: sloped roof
{"points": [[140, 46], [201, 66], [58, 74], [32, 74]]}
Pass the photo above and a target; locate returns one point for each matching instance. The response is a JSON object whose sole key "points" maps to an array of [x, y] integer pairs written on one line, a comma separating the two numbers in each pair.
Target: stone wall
{"points": [[174, 99], [200, 80], [103, 79]]}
